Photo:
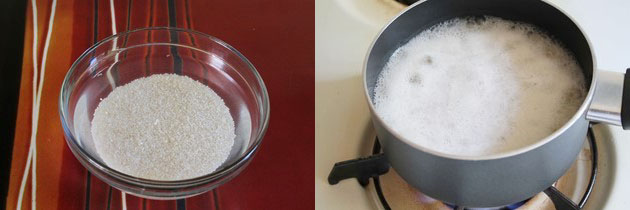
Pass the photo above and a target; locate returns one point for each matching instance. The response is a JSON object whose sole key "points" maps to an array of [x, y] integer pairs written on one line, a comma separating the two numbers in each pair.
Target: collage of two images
{"points": [[324, 104]]}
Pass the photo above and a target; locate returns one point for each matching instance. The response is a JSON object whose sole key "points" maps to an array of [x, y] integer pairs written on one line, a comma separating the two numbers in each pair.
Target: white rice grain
{"points": [[163, 127]]}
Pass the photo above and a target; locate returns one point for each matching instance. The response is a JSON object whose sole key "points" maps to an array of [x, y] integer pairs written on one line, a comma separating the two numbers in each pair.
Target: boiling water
{"points": [[476, 87]]}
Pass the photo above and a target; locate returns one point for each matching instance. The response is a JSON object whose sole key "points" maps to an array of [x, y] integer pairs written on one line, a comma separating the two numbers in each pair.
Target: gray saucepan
{"points": [[505, 178]]}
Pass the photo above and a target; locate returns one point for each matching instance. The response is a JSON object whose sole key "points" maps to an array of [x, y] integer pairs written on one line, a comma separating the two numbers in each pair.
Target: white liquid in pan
{"points": [[479, 87]]}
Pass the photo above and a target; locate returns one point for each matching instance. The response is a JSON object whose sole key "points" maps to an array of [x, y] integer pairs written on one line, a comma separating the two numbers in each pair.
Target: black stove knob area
{"points": [[363, 169], [560, 201], [407, 2]]}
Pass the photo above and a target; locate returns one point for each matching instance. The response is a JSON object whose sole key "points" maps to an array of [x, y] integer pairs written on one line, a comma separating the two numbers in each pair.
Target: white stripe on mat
{"points": [[37, 91], [124, 200], [30, 148], [32, 152], [110, 78]]}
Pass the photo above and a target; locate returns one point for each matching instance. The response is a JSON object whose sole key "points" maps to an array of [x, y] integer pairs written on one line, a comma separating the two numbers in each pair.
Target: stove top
{"points": [[344, 31], [390, 191]]}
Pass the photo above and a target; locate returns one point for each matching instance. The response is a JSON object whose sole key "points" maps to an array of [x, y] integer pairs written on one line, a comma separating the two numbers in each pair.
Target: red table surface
{"points": [[276, 36]]}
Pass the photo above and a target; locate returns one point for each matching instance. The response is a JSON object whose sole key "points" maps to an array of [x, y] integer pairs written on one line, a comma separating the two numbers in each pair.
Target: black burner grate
{"points": [[407, 2]]}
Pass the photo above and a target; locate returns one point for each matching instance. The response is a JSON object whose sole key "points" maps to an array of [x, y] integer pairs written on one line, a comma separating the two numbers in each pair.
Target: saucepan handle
{"points": [[611, 100]]}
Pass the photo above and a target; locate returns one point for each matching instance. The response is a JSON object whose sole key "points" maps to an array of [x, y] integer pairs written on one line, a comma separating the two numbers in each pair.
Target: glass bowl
{"points": [[124, 57]]}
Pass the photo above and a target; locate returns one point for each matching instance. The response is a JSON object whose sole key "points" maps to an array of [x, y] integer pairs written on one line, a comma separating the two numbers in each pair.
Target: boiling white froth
{"points": [[479, 87]]}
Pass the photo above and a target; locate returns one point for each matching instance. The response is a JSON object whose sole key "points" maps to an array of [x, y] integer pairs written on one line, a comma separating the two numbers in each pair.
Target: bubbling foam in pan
{"points": [[475, 87]]}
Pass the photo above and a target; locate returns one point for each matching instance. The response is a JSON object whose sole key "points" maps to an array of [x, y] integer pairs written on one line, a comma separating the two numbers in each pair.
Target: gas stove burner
{"points": [[376, 165]]}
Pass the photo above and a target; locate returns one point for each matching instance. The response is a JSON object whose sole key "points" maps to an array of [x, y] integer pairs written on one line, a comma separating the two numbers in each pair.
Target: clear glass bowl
{"points": [[127, 56]]}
